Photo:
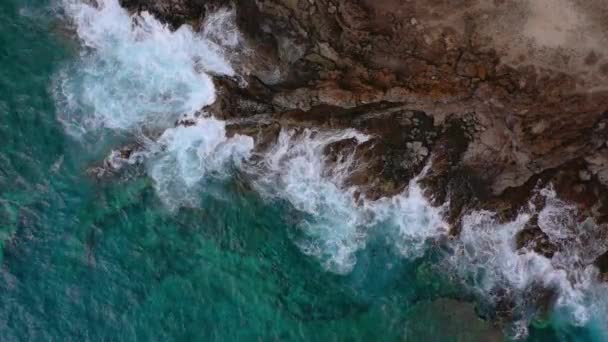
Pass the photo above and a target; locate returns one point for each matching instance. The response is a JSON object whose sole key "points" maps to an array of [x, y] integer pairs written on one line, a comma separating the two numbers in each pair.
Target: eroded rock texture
{"points": [[536, 93], [503, 95]]}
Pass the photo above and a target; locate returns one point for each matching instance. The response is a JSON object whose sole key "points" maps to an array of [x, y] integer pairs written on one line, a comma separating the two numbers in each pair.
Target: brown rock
{"points": [[502, 97]]}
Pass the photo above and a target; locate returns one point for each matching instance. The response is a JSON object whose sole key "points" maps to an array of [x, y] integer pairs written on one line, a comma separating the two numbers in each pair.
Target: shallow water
{"points": [[186, 249]]}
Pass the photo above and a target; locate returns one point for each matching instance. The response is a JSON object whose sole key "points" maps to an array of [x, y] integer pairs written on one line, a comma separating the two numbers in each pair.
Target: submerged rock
{"points": [[602, 264], [117, 160]]}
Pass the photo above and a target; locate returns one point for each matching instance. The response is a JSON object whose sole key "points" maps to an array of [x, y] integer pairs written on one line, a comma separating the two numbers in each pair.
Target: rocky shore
{"points": [[501, 98], [505, 109]]}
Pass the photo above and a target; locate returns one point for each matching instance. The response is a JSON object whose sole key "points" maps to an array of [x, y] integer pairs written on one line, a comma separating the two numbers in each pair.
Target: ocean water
{"points": [[201, 239]]}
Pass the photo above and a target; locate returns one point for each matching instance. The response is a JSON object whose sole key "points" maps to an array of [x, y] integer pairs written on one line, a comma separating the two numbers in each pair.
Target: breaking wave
{"points": [[134, 72], [294, 170], [519, 281], [336, 222], [189, 154]]}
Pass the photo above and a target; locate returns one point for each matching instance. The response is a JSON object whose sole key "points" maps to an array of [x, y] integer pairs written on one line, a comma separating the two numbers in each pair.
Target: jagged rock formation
{"points": [[503, 96], [527, 80]]}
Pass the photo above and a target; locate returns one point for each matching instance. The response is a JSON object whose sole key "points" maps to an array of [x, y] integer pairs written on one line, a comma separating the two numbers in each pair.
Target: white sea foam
{"points": [[415, 219], [134, 71], [488, 260], [220, 27], [295, 170], [335, 225], [186, 155]]}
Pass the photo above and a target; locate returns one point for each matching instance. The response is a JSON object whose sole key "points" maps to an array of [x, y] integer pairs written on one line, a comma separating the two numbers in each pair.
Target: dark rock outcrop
{"points": [[502, 98], [510, 93]]}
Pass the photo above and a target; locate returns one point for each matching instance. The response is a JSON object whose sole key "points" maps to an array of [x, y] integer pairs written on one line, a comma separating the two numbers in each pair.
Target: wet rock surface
{"points": [[497, 109], [501, 98]]}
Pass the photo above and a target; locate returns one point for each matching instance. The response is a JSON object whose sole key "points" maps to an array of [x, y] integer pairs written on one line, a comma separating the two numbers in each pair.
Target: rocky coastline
{"points": [[498, 100]]}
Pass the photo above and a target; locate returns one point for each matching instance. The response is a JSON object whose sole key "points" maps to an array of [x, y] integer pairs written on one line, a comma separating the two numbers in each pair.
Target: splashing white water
{"points": [[416, 220], [134, 70], [295, 171], [335, 225], [189, 154], [488, 259], [220, 27]]}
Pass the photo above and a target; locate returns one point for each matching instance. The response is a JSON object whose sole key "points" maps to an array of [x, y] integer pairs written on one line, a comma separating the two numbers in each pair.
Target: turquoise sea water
{"points": [[83, 259]]}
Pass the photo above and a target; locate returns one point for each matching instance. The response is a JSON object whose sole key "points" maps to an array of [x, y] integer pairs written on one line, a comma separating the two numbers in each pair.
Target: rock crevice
{"points": [[501, 97]]}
